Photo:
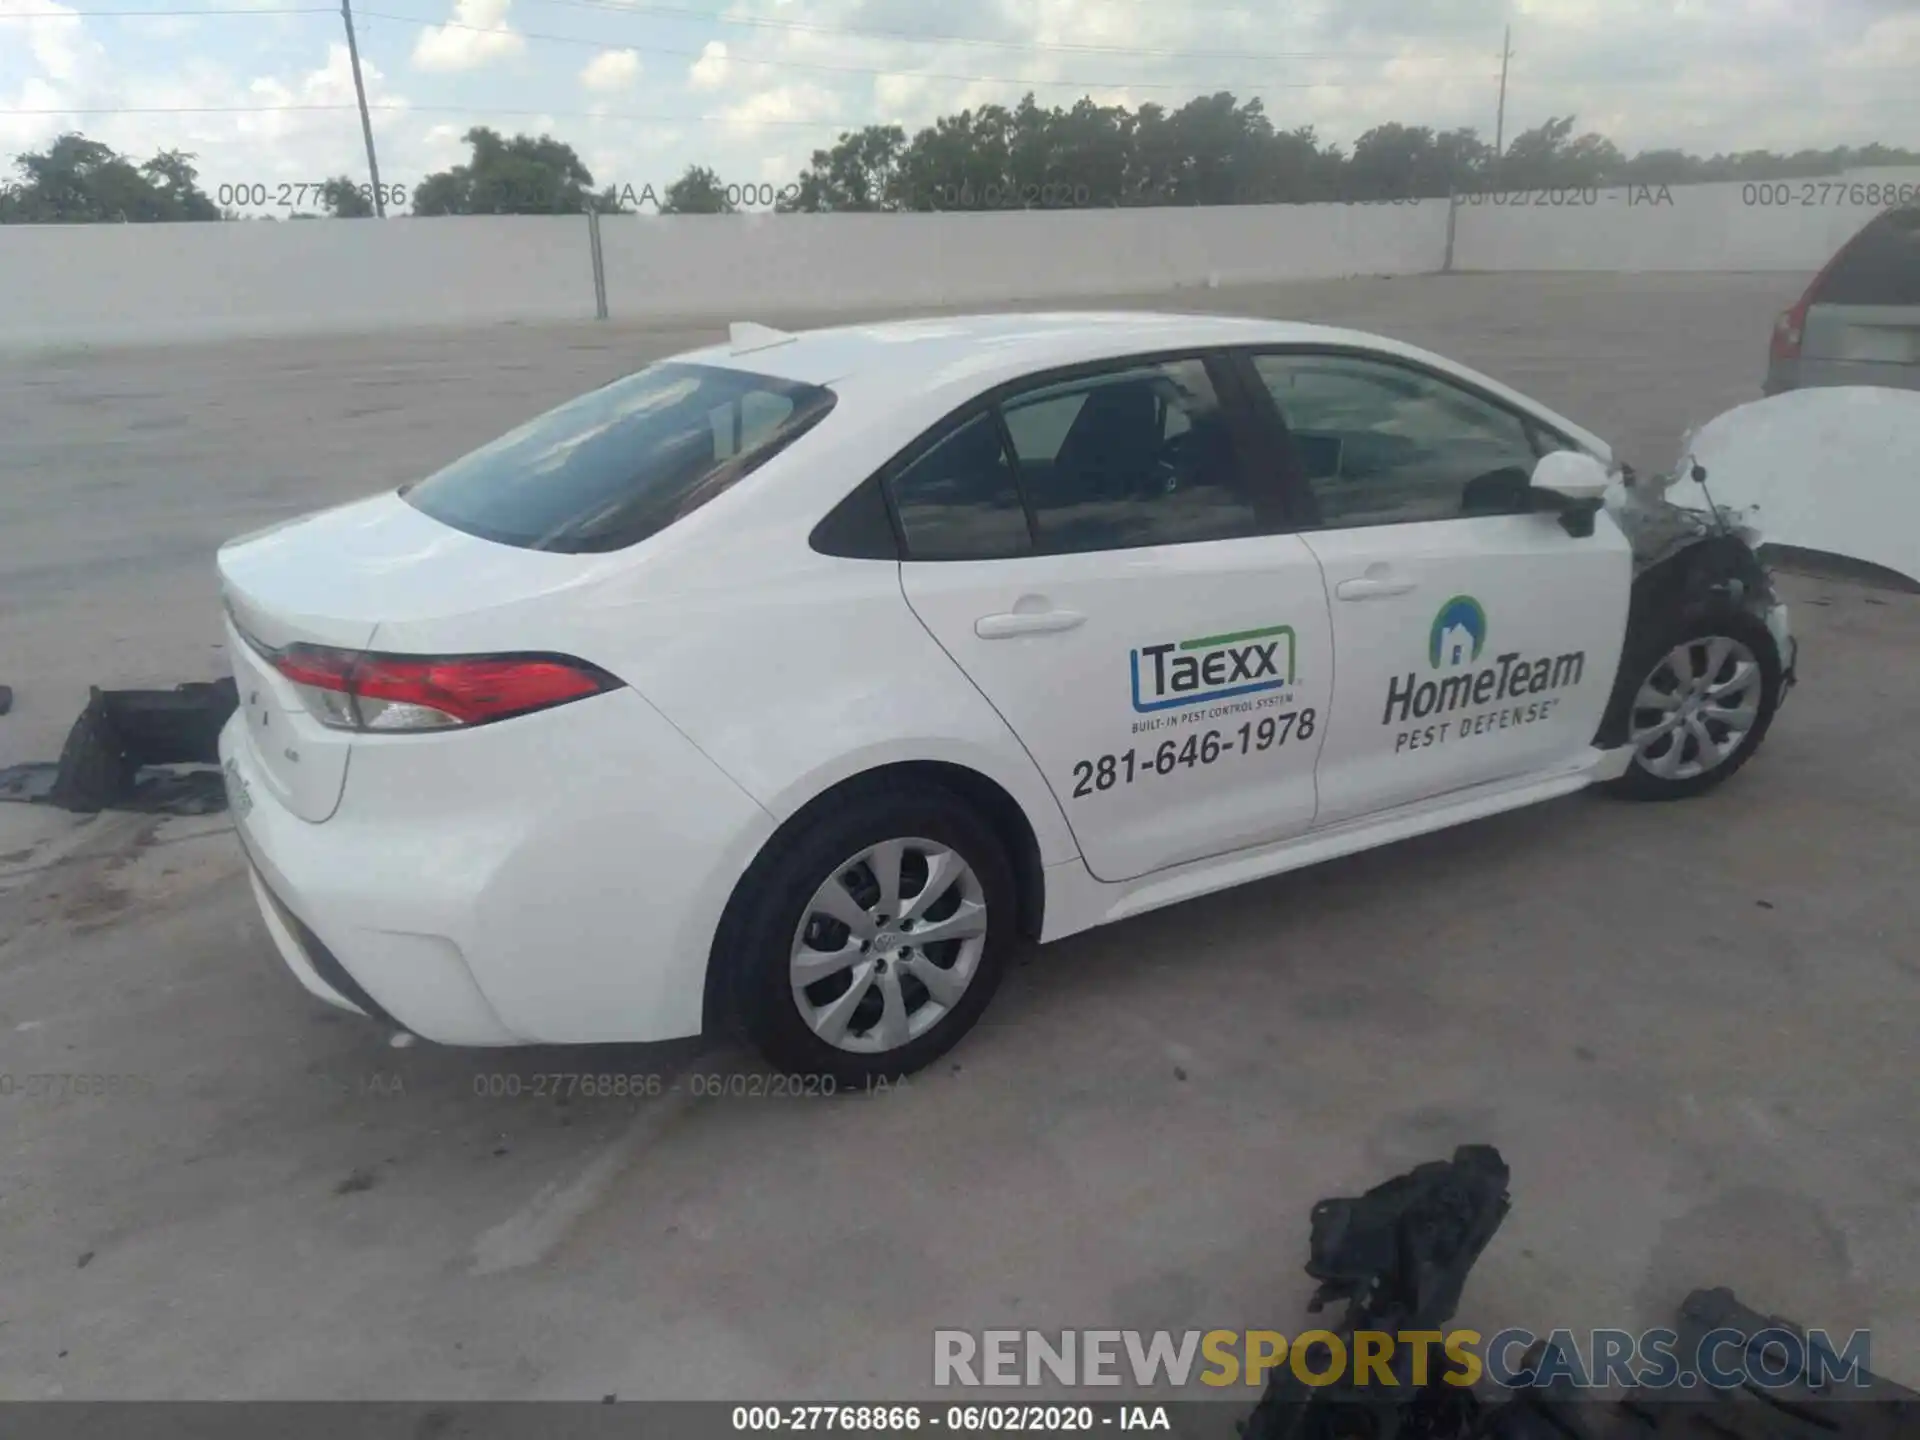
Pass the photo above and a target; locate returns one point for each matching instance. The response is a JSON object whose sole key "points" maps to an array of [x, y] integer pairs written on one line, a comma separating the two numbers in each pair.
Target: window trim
{"points": [[1250, 438], [860, 527], [1012, 453], [1299, 491], [925, 444]]}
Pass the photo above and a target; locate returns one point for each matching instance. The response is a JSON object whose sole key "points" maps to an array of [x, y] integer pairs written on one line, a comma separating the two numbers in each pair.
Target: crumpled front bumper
{"points": [[1779, 624], [1660, 531]]}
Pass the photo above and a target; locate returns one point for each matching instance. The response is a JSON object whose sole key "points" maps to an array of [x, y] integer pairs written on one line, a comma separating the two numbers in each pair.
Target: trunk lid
{"points": [[334, 578]]}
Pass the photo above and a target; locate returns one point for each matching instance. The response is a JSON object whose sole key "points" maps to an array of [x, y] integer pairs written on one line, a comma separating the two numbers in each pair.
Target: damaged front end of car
{"points": [[1688, 557]]}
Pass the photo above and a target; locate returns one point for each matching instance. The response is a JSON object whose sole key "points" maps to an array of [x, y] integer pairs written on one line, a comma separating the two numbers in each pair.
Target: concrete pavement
{"points": [[1689, 1027]]}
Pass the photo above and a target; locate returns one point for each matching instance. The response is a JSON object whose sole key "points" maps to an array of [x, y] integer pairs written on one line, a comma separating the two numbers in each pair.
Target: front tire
{"points": [[1695, 697], [867, 943]]}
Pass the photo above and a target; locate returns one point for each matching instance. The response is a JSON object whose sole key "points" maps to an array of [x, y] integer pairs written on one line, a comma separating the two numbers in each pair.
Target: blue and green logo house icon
{"points": [[1459, 633]]}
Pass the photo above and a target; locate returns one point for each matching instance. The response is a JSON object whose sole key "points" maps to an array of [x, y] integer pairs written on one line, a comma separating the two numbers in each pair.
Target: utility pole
{"points": [[366, 124], [1499, 124]]}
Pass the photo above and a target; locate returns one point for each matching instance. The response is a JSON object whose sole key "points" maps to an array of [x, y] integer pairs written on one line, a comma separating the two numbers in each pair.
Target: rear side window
{"points": [[623, 462], [1879, 266], [960, 501]]}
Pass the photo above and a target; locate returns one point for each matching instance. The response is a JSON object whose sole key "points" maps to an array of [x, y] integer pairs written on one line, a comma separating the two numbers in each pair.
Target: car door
{"points": [[1473, 641], [1093, 551]]}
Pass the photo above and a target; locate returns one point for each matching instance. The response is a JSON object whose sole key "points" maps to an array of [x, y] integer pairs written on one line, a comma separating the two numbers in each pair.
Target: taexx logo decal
{"points": [[1213, 667]]}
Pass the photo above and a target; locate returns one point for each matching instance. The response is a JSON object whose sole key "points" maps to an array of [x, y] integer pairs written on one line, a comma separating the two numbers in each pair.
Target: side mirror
{"points": [[1572, 475], [1570, 484]]}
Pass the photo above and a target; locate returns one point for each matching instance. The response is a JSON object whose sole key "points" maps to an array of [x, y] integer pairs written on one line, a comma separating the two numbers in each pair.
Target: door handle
{"points": [[1374, 588], [1026, 622]]}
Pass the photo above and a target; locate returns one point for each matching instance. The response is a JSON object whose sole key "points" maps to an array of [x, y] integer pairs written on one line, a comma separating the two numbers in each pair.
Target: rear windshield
{"points": [[1880, 265], [619, 464]]}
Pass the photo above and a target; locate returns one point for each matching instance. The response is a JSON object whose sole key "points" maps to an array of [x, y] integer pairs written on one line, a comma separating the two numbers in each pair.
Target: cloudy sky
{"points": [[261, 90]]}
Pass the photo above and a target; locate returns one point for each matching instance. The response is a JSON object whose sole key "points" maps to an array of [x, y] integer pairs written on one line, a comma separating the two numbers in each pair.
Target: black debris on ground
{"points": [[154, 752], [1399, 1257]]}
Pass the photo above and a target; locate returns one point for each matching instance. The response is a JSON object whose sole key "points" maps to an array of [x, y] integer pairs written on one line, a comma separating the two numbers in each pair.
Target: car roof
{"points": [[887, 361], [1013, 343]]}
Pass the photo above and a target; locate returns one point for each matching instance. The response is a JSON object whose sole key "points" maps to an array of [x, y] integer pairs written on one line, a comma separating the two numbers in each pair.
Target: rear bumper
{"points": [[555, 879], [317, 968], [1811, 372]]}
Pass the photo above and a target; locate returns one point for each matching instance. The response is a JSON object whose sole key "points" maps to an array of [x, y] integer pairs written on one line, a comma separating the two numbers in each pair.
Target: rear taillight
{"points": [[352, 690], [1788, 331], [1791, 328]]}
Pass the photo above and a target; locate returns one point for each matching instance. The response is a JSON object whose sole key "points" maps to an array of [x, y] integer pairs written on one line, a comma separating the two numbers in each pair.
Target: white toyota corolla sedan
{"points": [[787, 685]]}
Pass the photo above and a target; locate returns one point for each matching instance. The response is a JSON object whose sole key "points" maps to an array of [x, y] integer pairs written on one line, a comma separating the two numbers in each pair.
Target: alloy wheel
{"points": [[888, 945], [1696, 708]]}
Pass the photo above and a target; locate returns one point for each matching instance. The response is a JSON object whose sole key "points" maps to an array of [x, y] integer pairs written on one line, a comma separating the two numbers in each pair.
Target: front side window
{"points": [[623, 462], [1140, 456], [1381, 444]]}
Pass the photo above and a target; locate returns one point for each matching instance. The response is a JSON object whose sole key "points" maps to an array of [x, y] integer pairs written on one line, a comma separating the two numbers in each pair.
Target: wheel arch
{"points": [[1700, 576], [1719, 570], [981, 792]]}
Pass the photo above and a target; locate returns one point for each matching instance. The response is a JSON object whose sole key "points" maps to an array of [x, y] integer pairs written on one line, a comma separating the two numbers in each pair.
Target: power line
{"points": [[767, 22], [1228, 9], [193, 109], [714, 19], [1188, 86], [915, 36], [826, 124], [231, 10], [932, 38], [897, 36]]}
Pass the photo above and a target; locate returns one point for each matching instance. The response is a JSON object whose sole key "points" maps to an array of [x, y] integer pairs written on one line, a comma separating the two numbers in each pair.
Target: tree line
{"points": [[1214, 150]]}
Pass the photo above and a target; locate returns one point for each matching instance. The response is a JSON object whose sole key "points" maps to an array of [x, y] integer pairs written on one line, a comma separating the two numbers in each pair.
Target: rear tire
{"points": [[1695, 696], [830, 942]]}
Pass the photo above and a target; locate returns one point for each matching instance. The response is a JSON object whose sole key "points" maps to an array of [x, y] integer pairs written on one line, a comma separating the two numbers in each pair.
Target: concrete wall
{"points": [[112, 284], [1792, 225], [706, 265]]}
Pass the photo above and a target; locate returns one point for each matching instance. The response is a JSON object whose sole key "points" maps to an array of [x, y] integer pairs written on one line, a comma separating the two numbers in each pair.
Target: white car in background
{"points": [[789, 684]]}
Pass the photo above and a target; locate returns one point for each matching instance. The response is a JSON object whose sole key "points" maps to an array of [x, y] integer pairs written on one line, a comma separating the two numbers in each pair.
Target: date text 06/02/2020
{"points": [[910, 1419]]}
